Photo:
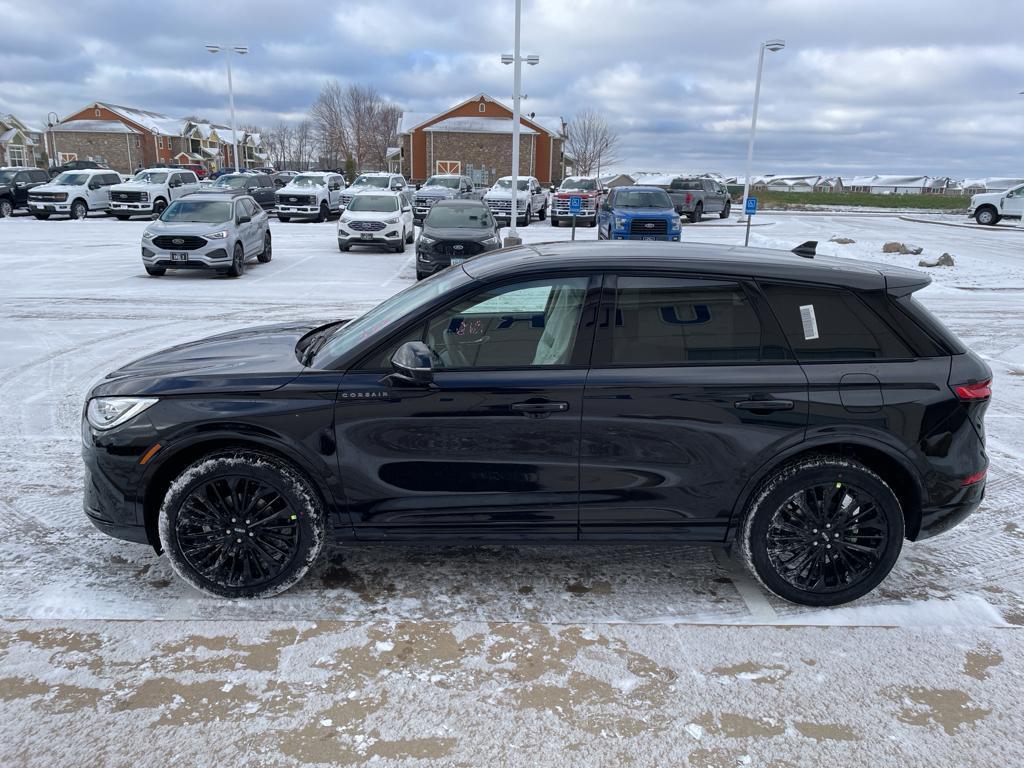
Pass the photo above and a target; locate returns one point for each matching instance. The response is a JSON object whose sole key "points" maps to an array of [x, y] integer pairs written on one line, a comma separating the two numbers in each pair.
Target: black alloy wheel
{"points": [[237, 268], [159, 206], [268, 252], [822, 531]]}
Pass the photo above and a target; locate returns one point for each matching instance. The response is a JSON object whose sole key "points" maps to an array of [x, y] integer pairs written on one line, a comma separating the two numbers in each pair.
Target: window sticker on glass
{"points": [[810, 322]]}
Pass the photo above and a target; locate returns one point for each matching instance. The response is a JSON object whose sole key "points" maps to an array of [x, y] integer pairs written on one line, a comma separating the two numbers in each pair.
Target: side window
{"points": [[22, 178], [240, 210], [42, 176], [251, 209], [676, 321], [832, 324], [521, 325]]}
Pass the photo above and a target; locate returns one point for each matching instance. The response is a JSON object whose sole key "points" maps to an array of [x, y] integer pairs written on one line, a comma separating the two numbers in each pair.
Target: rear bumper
{"points": [[939, 519]]}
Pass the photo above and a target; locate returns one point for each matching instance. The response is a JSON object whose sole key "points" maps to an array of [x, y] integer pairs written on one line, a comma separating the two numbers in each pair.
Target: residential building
{"points": [[473, 138], [105, 141], [20, 144]]}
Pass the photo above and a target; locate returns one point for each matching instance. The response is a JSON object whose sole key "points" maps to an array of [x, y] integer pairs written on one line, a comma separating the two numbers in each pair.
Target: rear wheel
{"points": [[79, 210], [237, 268], [698, 213], [987, 215], [823, 530], [268, 252], [542, 213], [6, 209], [155, 271], [726, 211], [241, 524]]}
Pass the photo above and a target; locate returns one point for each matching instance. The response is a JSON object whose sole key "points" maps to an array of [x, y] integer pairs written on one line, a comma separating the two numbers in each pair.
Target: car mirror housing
{"points": [[243, 219], [413, 362]]}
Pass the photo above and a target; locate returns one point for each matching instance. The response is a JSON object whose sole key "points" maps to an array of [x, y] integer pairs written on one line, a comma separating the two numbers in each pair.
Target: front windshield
{"points": [[72, 179], [150, 177], [443, 181], [371, 181], [197, 211], [389, 313], [585, 185], [231, 182], [6, 176], [507, 184], [381, 203], [462, 217], [308, 181], [643, 198]]}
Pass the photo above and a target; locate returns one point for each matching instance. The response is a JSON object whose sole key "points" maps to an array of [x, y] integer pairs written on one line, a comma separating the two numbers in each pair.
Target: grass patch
{"points": [[796, 200]]}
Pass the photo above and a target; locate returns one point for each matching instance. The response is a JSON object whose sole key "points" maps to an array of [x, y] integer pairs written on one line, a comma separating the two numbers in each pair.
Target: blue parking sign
{"points": [[751, 207], [575, 204]]}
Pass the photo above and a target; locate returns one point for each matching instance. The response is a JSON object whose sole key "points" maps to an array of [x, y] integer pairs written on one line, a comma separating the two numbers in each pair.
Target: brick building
{"points": [[106, 141], [474, 138], [20, 144]]}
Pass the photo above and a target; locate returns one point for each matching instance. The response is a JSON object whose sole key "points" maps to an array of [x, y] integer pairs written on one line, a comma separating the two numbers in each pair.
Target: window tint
{"points": [[42, 176], [666, 321], [832, 324]]}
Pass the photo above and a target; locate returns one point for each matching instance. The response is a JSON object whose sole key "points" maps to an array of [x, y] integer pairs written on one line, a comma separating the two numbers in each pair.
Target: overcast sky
{"points": [[887, 86]]}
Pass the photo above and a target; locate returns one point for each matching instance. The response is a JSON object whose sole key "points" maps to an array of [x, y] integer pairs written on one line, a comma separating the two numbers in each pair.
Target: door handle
{"points": [[539, 409], [763, 406]]}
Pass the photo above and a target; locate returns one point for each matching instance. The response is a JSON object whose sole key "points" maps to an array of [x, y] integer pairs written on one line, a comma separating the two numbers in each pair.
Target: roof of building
{"points": [[412, 120], [95, 126]]}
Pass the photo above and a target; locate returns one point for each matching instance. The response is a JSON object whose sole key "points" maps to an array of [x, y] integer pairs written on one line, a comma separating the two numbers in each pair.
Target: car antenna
{"points": [[808, 250]]}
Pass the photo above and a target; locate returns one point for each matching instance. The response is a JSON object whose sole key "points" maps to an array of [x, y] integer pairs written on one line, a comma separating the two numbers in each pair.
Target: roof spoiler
{"points": [[807, 250]]}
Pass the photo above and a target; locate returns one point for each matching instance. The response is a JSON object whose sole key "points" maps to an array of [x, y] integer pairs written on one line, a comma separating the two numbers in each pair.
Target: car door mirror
{"points": [[1009, 194], [94, 185], [406, 209], [413, 362], [243, 219]]}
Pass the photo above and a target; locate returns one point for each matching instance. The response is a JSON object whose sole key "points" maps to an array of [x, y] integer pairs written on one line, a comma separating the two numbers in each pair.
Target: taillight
{"points": [[981, 390], [977, 477], [689, 198]]}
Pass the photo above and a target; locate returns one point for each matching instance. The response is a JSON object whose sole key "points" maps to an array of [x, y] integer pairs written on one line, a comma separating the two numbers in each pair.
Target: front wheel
{"points": [[79, 210], [268, 252], [323, 213], [726, 211], [237, 268], [400, 248], [41, 216], [241, 524], [283, 218], [525, 221], [155, 271], [6, 209], [159, 205], [987, 216], [822, 531], [542, 214]]}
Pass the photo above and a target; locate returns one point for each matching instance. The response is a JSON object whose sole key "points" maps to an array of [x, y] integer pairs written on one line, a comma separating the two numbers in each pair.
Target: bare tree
{"points": [[329, 122], [304, 146], [590, 142], [354, 122]]}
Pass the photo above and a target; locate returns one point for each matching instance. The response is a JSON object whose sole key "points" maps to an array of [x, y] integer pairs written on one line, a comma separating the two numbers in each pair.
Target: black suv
{"points": [[453, 231], [808, 410], [15, 183]]}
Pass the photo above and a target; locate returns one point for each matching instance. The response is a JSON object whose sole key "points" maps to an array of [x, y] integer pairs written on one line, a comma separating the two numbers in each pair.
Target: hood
{"points": [[436, 191], [290, 189], [159, 227], [645, 212], [563, 194], [468, 234], [351, 215], [505, 194], [988, 197], [135, 186], [249, 360], [69, 188]]}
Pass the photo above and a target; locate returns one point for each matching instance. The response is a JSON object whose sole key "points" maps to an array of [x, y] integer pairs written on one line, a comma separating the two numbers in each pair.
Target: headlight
{"points": [[427, 240], [144, 197], [674, 224], [391, 221], [489, 241], [108, 412], [148, 235], [221, 235], [621, 223]]}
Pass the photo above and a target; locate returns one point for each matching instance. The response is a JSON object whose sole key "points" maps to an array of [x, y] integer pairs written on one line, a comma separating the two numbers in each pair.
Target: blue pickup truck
{"points": [[638, 213]]}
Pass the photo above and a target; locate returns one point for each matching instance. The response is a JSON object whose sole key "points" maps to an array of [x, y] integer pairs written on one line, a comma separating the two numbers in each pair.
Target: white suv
{"points": [[311, 195], [150, 191], [531, 200], [377, 217], [73, 193]]}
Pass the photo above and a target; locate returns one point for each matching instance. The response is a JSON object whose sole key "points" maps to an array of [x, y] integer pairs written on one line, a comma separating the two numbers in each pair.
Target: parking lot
{"points": [[477, 655]]}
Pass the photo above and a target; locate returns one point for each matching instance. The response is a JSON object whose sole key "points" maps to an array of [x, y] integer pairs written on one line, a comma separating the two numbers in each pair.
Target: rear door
{"points": [[691, 389]]}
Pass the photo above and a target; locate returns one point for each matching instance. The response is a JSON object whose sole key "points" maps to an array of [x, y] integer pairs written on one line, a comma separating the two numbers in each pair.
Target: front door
{"points": [[689, 393], [1014, 206], [491, 448]]}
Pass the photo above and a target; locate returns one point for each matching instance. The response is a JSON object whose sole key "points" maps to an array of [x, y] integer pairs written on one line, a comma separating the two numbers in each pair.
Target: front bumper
{"points": [[619, 234], [390, 235], [135, 209], [38, 207], [297, 210], [216, 255]]}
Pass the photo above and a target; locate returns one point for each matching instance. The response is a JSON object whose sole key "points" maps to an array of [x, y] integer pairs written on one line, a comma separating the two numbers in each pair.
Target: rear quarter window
{"points": [[823, 324]]}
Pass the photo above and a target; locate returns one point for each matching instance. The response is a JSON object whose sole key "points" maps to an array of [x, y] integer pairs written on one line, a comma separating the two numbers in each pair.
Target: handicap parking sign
{"points": [[751, 207], [575, 204]]}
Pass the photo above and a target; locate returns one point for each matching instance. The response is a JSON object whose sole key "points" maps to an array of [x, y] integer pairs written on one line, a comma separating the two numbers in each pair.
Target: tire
{"points": [[283, 218], [79, 210], [156, 271], [526, 219], [593, 222], [159, 206], [344, 248], [268, 251], [411, 237], [237, 268], [120, 217], [865, 513], [726, 211], [987, 216], [6, 208], [554, 220], [421, 275], [698, 213], [281, 544], [542, 213], [41, 216], [323, 213], [400, 248]]}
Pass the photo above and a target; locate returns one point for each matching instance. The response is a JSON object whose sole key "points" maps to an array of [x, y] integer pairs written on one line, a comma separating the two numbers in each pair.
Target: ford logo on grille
{"points": [[291, 199], [178, 241], [648, 225], [456, 247]]}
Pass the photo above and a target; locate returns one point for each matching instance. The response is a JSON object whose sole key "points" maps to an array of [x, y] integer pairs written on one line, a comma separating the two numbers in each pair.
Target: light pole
{"points": [[240, 50], [517, 60], [773, 46], [51, 120]]}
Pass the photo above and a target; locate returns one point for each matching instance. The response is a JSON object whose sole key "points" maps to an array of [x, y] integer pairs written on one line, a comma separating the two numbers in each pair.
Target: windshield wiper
{"points": [[314, 346]]}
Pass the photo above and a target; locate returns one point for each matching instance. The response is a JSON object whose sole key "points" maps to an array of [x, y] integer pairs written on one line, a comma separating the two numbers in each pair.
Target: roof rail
{"points": [[807, 250]]}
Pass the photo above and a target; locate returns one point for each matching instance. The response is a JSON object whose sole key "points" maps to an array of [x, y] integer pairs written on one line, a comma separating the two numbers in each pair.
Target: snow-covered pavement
{"points": [[553, 655]]}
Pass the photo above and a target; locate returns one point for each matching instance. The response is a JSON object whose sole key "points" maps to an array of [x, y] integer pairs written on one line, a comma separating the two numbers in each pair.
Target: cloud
{"points": [[876, 85]]}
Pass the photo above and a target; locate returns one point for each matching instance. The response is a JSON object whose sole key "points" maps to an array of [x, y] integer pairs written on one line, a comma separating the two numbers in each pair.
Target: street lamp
{"points": [[517, 60], [51, 120], [773, 46], [239, 50]]}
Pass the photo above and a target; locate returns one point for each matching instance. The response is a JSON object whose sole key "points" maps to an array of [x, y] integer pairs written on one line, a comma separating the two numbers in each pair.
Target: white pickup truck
{"points": [[989, 207], [150, 191], [531, 200]]}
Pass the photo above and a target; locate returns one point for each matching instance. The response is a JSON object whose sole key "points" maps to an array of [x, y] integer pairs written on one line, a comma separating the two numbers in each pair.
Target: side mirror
{"points": [[413, 361], [243, 219], [1009, 194], [552, 188], [94, 185], [419, 186], [406, 209]]}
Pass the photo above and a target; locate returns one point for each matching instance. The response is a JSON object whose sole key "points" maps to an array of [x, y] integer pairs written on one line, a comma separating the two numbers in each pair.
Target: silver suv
{"points": [[207, 231]]}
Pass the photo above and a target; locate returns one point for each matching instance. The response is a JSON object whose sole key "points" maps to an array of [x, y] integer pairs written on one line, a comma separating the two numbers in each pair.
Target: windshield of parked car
{"points": [[150, 177], [373, 203], [462, 217], [7, 176], [308, 181], [231, 182], [643, 198], [584, 185], [507, 184], [72, 179], [390, 312], [684, 185], [443, 181], [197, 211], [372, 181]]}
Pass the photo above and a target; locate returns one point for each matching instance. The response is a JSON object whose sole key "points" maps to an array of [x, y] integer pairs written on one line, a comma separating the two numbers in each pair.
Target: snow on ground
{"points": [[546, 655]]}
